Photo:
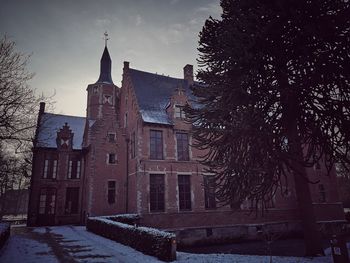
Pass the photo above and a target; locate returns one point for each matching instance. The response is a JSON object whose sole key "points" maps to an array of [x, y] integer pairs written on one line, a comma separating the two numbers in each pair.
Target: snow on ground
{"points": [[22, 249], [75, 244], [94, 248]]}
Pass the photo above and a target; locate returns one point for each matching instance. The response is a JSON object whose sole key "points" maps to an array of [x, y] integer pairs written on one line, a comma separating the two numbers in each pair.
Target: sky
{"points": [[65, 40]]}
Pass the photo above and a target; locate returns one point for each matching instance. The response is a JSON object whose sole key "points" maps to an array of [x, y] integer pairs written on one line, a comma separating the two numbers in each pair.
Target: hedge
{"points": [[129, 219], [4, 233], [149, 241]]}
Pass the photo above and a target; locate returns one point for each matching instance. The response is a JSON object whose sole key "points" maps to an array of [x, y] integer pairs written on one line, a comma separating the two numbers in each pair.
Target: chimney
{"points": [[42, 108], [188, 73], [126, 65]]}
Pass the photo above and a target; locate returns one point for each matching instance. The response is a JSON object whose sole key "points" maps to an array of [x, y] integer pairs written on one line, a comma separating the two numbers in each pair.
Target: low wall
{"points": [[147, 240], [214, 218], [238, 233], [235, 233]]}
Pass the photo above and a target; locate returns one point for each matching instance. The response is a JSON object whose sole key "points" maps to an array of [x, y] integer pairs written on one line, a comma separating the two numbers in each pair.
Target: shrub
{"points": [[129, 219], [4, 233], [150, 241]]}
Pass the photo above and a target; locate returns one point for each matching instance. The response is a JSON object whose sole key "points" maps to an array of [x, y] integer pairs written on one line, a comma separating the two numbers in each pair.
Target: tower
{"points": [[103, 183], [102, 95]]}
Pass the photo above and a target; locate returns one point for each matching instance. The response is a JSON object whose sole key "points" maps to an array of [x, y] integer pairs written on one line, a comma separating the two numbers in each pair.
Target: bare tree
{"points": [[18, 103]]}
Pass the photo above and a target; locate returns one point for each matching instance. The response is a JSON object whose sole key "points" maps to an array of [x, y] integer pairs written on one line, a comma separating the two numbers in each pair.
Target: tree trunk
{"points": [[312, 236], [290, 109]]}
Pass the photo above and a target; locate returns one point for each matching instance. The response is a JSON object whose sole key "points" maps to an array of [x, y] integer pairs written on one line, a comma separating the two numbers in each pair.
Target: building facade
{"points": [[132, 154]]}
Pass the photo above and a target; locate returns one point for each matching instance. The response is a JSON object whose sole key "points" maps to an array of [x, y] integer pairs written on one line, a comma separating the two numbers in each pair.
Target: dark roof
{"points": [[51, 123], [105, 68], [153, 93]]}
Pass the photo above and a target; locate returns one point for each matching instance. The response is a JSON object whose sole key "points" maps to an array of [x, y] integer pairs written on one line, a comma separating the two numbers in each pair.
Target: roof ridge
{"points": [[65, 115], [156, 74]]}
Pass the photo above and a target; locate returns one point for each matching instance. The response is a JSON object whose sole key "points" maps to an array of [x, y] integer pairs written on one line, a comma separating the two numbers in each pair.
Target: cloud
{"points": [[212, 9], [173, 2], [173, 34], [138, 20], [102, 22]]}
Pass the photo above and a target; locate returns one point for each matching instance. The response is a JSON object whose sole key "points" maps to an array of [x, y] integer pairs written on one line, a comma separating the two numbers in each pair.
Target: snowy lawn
{"points": [[75, 244]]}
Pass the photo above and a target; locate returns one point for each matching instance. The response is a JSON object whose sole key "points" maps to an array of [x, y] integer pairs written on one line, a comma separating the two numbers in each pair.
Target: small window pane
{"points": [[72, 200], [111, 192], [184, 183], [157, 193], [111, 137], [156, 145], [209, 193], [111, 158], [46, 168], [182, 146]]}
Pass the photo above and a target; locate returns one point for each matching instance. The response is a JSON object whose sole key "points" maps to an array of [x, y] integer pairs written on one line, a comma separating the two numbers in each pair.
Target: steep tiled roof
{"points": [[105, 68], [153, 94], [51, 123]]}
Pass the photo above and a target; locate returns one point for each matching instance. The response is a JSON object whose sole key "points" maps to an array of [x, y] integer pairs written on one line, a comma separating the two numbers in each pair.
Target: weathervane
{"points": [[106, 38]]}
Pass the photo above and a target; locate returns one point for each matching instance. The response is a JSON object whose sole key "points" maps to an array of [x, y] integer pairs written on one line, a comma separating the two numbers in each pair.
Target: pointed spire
{"points": [[105, 65]]}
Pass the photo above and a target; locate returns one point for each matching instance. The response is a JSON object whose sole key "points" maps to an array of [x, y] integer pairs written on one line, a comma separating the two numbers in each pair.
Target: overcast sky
{"points": [[65, 39]]}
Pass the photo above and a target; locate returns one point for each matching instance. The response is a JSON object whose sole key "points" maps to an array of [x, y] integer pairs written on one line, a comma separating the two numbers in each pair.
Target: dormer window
{"points": [[179, 112], [64, 138], [107, 99]]}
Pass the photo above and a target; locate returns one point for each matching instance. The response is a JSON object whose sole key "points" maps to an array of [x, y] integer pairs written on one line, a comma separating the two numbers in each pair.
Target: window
{"points": [[47, 201], [126, 120], [111, 137], [156, 193], [107, 99], [133, 145], [50, 167], [72, 200], [74, 168], [111, 192], [179, 112], [112, 159], [156, 144], [184, 182], [95, 89], [322, 192], [182, 146], [209, 193]]}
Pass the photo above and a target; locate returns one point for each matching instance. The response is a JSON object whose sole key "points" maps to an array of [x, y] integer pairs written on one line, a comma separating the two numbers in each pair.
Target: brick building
{"points": [[132, 154]]}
